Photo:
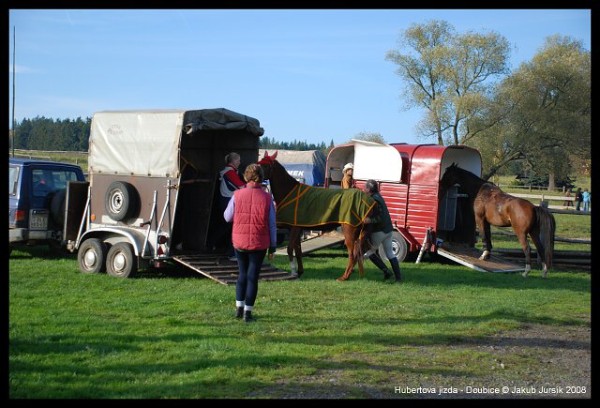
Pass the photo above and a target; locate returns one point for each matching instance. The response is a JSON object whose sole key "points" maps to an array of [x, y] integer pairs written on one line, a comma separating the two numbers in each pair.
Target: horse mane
{"points": [[469, 181], [284, 182]]}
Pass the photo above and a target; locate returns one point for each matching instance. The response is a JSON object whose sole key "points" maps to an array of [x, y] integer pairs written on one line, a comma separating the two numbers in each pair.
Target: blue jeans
{"points": [[249, 264]]}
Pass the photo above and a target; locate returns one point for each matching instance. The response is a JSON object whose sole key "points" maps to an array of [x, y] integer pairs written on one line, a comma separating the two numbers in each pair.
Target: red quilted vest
{"points": [[251, 218]]}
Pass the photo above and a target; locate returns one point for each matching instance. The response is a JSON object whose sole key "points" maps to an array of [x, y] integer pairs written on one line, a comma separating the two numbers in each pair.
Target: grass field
{"points": [[173, 335]]}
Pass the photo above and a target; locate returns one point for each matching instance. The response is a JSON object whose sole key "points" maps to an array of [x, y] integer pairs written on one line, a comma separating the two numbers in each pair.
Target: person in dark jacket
{"points": [[252, 212], [578, 199], [381, 233], [229, 182]]}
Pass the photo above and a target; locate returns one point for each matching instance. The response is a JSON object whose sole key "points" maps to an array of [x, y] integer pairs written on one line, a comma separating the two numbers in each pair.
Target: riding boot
{"points": [[396, 269], [248, 316], [379, 263]]}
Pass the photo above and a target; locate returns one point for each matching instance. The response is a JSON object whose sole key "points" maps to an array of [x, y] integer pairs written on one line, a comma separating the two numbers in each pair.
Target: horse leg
{"points": [[541, 254], [351, 260], [359, 261], [293, 244], [298, 251], [526, 250], [349, 269], [484, 228]]}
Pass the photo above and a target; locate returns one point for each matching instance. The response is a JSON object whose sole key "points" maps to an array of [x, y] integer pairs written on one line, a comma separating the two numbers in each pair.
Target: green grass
{"points": [[172, 334], [79, 158]]}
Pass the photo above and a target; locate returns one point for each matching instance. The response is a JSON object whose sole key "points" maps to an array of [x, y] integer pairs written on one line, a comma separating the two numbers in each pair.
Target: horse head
{"points": [[267, 163], [450, 176]]}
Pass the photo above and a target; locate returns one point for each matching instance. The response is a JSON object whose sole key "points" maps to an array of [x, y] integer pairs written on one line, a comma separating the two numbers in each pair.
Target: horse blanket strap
{"points": [[308, 206]]}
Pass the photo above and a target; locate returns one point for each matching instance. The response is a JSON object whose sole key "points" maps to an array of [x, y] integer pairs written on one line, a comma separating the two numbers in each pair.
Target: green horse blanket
{"points": [[308, 206]]}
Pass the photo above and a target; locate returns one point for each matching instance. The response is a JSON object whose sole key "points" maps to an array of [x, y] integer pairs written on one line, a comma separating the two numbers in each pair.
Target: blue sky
{"points": [[306, 75]]}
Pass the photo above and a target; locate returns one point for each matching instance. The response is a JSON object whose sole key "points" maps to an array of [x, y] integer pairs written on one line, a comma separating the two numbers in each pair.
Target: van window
{"points": [[13, 179], [47, 181]]}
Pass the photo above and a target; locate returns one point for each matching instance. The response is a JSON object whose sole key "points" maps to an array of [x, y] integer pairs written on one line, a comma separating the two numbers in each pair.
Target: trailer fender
{"points": [[113, 235], [413, 244]]}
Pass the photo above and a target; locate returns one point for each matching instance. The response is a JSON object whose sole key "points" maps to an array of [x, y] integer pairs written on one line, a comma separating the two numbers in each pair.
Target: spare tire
{"points": [[121, 201], [57, 207]]}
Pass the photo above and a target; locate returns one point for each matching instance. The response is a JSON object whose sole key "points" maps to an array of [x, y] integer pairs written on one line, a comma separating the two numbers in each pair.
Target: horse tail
{"points": [[547, 227], [358, 250]]}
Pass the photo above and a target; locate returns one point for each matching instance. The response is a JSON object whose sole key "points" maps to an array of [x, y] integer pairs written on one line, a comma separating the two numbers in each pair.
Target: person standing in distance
{"points": [[585, 199], [252, 212], [578, 199], [229, 181], [381, 233], [348, 178]]}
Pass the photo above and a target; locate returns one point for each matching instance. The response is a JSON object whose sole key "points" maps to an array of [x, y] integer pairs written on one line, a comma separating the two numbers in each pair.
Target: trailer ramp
{"points": [[220, 269], [324, 240], [469, 256]]}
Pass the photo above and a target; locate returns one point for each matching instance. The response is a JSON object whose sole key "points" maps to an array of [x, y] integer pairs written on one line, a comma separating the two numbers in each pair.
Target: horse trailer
{"points": [[409, 181], [152, 194]]}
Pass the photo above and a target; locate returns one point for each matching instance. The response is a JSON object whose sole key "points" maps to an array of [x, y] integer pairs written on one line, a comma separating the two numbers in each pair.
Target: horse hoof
{"points": [[524, 274], [341, 279]]}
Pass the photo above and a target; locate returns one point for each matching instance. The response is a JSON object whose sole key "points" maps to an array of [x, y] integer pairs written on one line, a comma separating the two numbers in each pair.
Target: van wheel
{"points": [[91, 256], [57, 207], [121, 201], [399, 247], [121, 261]]}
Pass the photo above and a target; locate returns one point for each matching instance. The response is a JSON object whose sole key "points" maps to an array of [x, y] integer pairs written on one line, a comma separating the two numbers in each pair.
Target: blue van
{"points": [[36, 200]]}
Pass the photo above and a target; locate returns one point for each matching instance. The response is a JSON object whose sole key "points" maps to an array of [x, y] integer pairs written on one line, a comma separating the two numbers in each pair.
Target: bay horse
{"points": [[298, 204], [492, 206]]}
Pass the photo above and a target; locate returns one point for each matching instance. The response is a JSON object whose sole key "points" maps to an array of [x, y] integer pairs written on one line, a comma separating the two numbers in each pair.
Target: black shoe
{"points": [[386, 275], [396, 268], [248, 316], [239, 313]]}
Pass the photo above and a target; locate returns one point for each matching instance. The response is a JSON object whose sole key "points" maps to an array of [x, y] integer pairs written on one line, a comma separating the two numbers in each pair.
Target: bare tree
{"points": [[450, 75]]}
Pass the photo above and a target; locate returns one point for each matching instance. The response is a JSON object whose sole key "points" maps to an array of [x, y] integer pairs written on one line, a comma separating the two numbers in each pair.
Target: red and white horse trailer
{"points": [[409, 181]]}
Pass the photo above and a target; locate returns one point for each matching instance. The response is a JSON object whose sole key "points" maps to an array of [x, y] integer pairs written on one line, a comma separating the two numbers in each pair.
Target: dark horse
{"points": [[492, 206], [297, 199]]}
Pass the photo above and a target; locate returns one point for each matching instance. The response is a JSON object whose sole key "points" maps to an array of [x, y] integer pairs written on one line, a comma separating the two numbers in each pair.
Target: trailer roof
{"points": [[147, 142]]}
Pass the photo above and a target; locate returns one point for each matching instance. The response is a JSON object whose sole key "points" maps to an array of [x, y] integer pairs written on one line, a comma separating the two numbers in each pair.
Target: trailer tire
{"points": [[121, 201], [399, 246], [121, 261], [91, 256]]}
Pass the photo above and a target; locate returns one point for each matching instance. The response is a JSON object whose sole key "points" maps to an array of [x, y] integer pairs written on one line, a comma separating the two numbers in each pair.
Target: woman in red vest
{"points": [[254, 231]]}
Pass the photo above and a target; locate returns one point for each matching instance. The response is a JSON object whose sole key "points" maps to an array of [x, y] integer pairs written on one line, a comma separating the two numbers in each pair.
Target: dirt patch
{"points": [[534, 362], [561, 361]]}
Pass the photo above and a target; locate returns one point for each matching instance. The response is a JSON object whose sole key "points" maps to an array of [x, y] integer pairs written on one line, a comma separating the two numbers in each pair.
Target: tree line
{"points": [[534, 121], [41, 133]]}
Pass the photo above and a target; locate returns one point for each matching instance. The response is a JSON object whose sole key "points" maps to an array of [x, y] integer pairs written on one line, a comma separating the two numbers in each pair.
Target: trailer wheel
{"points": [[91, 256], [121, 201], [399, 246], [121, 261]]}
